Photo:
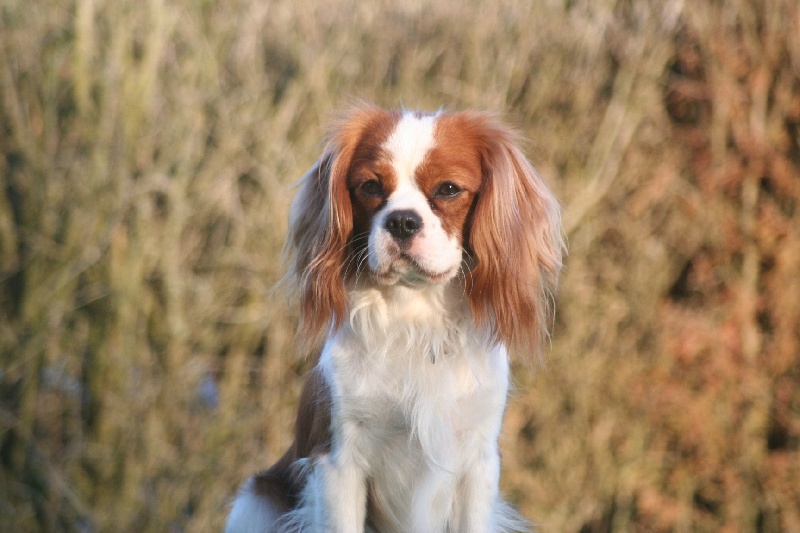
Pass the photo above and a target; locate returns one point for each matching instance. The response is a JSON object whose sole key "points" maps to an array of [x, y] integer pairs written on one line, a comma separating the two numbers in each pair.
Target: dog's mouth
{"points": [[406, 270]]}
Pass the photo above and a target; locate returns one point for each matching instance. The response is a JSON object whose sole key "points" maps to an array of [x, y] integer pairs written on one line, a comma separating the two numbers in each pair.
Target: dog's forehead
{"points": [[411, 140]]}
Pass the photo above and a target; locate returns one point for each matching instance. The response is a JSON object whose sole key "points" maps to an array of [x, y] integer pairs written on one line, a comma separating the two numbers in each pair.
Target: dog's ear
{"points": [[320, 224], [320, 229], [516, 241]]}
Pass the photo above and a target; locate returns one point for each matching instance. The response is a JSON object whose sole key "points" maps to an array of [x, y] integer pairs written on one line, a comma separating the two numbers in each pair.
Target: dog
{"points": [[424, 250]]}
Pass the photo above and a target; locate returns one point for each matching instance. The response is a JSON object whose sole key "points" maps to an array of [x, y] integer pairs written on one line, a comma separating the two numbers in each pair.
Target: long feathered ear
{"points": [[320, 222], [516, 241], [320, 229]]}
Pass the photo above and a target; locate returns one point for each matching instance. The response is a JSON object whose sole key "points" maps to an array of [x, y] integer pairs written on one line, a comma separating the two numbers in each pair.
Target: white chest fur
{"points": [[417, 403]]}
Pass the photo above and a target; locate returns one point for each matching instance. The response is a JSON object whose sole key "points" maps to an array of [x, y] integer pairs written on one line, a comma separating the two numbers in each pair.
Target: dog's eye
{"points": [[372, 188], [447, 190]]}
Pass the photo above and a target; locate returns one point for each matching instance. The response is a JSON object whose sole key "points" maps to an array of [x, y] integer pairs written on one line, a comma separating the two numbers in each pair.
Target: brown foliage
{"points": [[146, 157]]}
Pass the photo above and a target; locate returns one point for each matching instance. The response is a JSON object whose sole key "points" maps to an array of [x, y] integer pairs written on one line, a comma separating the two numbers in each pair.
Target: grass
{"points": [[148, 151]]}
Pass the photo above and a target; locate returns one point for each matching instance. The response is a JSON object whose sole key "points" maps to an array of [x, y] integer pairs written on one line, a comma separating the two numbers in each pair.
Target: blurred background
{"points": [[147, 155]]}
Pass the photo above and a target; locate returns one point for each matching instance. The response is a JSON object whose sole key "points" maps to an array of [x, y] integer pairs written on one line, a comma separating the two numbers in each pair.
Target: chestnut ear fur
{"points": [[516, 242]]}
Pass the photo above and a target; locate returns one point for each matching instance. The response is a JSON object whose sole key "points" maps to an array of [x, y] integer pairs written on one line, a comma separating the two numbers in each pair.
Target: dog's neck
{"points": [[433, 319]]}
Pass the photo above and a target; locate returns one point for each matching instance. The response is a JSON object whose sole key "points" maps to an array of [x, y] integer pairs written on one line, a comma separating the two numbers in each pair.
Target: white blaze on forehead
{"points": [[432, 252], [408, 144]]}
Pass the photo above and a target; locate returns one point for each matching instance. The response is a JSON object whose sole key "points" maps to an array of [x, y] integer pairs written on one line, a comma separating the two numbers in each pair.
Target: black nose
{"points": [[403, 223]]}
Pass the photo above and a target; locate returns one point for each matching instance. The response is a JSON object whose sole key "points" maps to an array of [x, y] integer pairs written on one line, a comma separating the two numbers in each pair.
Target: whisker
{"points": [[353, 258], [356, 239], [462, 276], [364, 253], [465, 267]]}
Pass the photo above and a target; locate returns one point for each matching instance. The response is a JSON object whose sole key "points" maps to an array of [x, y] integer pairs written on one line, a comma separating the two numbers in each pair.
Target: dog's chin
{"points": [[405, 270]]}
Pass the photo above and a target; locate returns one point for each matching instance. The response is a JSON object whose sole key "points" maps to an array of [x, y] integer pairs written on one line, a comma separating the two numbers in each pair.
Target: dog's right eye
{"points": [[372, 188]]}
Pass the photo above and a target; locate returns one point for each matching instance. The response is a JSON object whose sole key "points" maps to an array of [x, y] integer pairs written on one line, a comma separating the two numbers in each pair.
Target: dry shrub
{"points": [[679, 333], [147, 155]]}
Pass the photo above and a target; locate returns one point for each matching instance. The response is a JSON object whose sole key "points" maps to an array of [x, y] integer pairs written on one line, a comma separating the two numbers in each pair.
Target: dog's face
{"points": [[411, 196], [427, 199]]}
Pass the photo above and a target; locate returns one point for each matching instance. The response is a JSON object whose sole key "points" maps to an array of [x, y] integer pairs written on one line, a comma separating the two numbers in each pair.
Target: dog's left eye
{"points": [[447, 190], [372, 188]]}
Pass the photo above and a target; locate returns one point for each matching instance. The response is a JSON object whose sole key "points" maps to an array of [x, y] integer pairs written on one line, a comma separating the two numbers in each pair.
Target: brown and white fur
{"points": [[424, 248]]}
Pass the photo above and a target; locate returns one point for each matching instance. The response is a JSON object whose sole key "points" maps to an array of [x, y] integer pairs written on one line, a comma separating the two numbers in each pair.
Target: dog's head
{"points": [[424, 199]]}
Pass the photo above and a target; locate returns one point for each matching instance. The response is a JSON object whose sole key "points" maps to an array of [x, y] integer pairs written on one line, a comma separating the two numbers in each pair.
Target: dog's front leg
{"points": [[434, 494], [341, 504], [479, 493]]}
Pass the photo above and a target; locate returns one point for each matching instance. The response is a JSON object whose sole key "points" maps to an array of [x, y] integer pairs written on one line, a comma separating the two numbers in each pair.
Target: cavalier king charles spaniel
{"points": [[425, 250]]}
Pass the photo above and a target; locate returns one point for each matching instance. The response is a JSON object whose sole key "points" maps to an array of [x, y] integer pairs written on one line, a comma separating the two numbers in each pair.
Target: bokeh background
{"points": [[147, 155]]}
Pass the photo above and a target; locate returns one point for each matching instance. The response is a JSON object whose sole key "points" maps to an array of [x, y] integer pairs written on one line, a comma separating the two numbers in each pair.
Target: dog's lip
{"points": [[404, 268]]}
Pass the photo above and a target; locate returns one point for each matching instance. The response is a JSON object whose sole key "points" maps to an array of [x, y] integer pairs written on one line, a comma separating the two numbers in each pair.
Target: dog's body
{"points": [[425, 247]]}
